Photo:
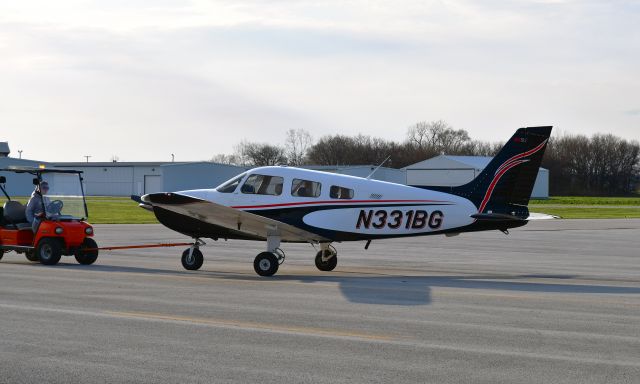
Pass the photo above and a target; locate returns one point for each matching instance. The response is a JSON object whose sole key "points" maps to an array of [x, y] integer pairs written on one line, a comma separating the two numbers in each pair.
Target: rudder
{"points": [[506, 183]]}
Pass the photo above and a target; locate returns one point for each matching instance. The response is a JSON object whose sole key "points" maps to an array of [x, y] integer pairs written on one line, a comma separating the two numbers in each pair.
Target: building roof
{"points": [[4, 148], [457, 162], [187, 163], [12, 161], [478, 162], [84, 164]]}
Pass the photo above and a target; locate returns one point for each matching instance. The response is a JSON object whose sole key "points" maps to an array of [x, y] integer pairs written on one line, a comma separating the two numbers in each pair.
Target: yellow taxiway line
{"points": [[245, 325]]}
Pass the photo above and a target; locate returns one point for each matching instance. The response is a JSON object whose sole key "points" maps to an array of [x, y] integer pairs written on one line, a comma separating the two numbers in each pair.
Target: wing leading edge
{"points": [[239, 221]]}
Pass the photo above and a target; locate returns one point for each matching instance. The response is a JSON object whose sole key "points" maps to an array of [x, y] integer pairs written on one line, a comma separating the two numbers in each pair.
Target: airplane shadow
{"points": [[382, 289], [416, 290]]}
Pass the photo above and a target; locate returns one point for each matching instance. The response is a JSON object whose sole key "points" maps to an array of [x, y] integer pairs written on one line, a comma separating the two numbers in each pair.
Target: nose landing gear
{"points": [[192, 258]]}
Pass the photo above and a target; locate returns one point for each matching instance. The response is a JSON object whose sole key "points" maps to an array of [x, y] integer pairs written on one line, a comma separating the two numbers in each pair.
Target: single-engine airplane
{"points": [[282, 204]]}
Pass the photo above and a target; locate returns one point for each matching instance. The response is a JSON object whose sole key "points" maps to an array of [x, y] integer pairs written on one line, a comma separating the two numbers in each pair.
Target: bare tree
{"points": [[601, 165], [485, 148], [345, 150], [227, 159], [257, 154], [297, 145], [439, 137]]}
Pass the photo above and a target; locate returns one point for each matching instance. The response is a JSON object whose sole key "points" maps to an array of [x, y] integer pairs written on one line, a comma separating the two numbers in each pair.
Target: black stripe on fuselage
{"points": [[193, 227], [295, 216]]}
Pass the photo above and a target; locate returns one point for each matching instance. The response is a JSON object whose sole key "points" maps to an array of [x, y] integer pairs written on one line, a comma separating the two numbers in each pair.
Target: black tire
{"points": [[194, 262], [32, 256], [87, 257], [328, 265], [266, 264], [1, 254], [49, 251]]}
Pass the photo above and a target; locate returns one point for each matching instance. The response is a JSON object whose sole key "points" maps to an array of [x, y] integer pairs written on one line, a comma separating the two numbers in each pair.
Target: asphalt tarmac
{"points": [[553, 302]]}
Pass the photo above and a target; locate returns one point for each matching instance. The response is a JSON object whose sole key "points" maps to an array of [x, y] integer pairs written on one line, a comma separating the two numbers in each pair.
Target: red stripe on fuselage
{"points": [[334, 202]]}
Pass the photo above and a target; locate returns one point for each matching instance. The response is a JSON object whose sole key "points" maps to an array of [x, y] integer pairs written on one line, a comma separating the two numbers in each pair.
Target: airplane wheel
{"points": [[31, 256], [266, 264], [326, 265], [194, 262], [87, 257], [49, 251]]}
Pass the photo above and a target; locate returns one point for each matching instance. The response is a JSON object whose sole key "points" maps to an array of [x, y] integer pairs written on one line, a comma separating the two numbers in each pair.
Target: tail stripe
{"points": [[495, 180], [525, 154]]}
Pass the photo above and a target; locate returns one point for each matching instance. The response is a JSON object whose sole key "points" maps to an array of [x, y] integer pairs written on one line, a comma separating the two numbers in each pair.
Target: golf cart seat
{"points": [[14, 215]]}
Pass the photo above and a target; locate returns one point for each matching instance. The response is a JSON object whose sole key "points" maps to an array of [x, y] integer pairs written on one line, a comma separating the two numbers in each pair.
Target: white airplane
{"points": [[284, 204]]}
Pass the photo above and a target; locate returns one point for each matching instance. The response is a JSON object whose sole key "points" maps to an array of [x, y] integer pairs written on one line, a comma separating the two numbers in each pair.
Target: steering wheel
{"points": [[55, 207]]}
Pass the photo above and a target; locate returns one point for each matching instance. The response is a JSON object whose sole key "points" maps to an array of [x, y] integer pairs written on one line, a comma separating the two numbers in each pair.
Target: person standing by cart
{"points": [[36, 207]]}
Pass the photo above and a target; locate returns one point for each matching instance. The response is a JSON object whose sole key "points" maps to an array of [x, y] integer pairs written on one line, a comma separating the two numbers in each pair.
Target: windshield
{"points": [[230, 186], [64, 196]]}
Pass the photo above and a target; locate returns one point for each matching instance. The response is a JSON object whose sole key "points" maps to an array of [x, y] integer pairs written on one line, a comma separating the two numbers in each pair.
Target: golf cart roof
{"points": [[35, 171]]}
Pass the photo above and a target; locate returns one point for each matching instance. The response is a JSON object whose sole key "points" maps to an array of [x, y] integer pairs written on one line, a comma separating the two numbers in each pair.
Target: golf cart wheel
{"points": [[266, 264], [31, 255], [326, 265], [85, 257], [49, 251], [194, 262]]}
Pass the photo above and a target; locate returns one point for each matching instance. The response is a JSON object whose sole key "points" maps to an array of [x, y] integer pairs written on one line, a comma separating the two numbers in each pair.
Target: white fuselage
{"points": [[351, 206]]}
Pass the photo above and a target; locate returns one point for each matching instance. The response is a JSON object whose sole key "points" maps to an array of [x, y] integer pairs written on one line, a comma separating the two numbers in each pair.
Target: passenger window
{"points": [[340, 193], [230, 185], [263, 185], [305, 188]]}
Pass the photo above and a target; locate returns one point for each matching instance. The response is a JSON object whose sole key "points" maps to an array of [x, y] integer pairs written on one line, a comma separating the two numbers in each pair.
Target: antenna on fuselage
{"points": [[378, 167]]}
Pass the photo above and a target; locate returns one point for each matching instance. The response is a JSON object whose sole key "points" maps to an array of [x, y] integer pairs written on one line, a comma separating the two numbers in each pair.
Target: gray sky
{"points": [[144, 79]]}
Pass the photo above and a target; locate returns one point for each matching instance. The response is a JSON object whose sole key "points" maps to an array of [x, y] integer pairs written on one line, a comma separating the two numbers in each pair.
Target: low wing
{"points": [[227, 217]]}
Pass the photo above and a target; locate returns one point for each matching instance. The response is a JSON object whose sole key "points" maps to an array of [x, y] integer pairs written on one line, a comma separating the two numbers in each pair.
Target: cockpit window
{"points": [[263, 185], [231, 185], [305, 188], [340, 193]]}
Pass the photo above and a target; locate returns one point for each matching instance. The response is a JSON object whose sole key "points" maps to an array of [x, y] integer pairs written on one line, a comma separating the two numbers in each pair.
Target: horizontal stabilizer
{"points": [[505, 217], [496, 217], [541, 216]]}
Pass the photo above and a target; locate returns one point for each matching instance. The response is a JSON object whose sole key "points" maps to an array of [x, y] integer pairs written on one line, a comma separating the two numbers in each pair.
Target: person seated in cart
{"points": [[35, 210]]}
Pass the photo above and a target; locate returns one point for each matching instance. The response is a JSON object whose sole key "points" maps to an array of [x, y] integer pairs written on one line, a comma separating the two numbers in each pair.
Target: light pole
{"points": [[87, 156], [173, 157], [20, 153]]}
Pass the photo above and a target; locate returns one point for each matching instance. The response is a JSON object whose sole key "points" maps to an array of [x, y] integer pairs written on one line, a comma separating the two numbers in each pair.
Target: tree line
{"points": [[603, 164]]}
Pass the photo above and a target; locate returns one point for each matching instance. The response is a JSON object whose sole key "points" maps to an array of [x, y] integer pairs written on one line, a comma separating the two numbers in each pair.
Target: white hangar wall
{"points": [[445, 170], [118, 178], [182, 176]]}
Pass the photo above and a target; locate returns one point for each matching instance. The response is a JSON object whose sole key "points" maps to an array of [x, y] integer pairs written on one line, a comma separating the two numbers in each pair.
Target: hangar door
{"points": [[152, 183]]}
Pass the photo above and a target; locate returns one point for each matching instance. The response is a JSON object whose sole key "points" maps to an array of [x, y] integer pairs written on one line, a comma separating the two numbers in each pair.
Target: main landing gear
{"points": [[266, 263], [326, 258]]}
